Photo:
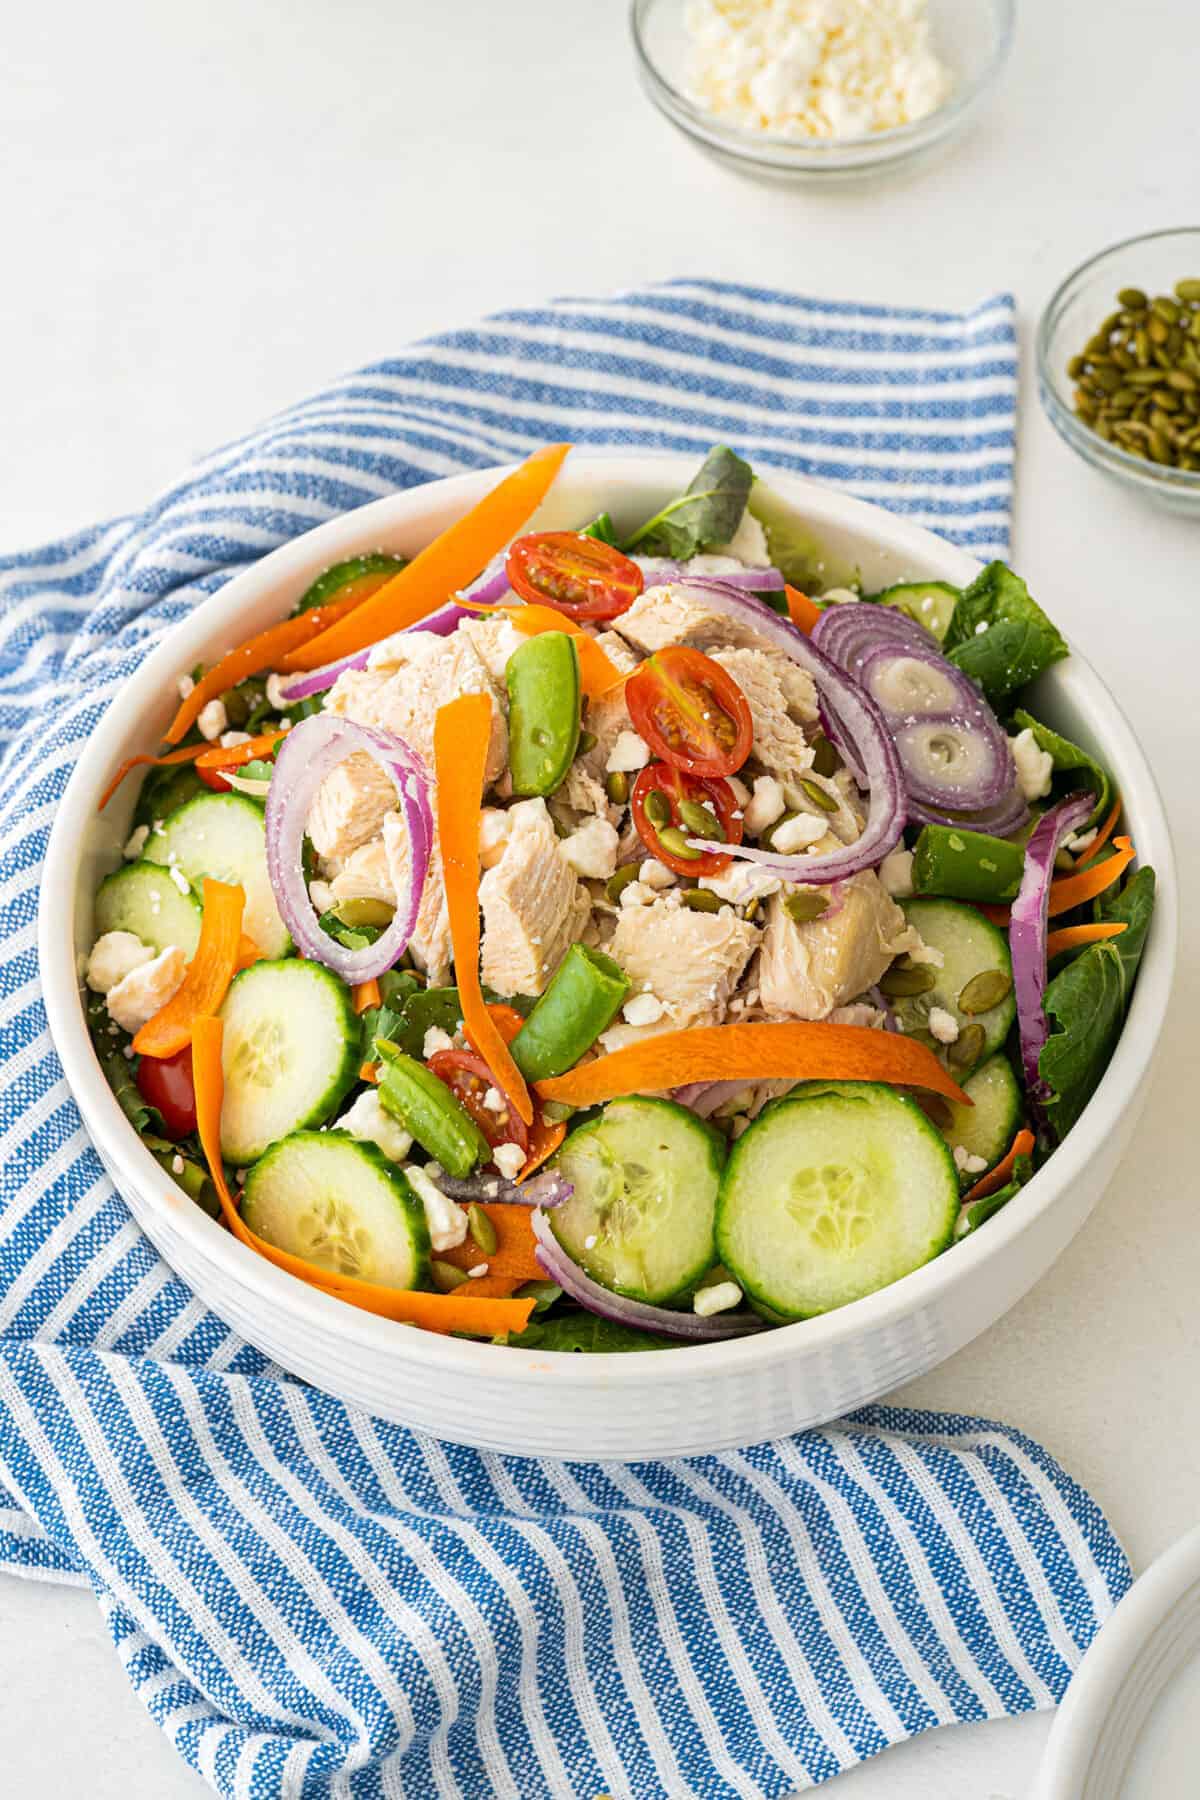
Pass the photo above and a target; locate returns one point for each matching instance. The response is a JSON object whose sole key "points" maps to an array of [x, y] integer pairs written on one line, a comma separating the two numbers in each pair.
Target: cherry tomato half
{"points": [[165, 1082], [676, 786], [574, 574], [690, 711], [469, 1078]]}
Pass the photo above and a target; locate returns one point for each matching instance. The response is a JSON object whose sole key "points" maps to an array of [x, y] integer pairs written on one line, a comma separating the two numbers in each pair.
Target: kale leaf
{"points": [[999, 635], [708, 513]]}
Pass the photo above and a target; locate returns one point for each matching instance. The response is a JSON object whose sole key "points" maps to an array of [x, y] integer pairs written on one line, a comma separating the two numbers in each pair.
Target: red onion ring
{"points": [[1001, 820], [568, 1275], [1027, 933], [850, 632], [310, 752]]}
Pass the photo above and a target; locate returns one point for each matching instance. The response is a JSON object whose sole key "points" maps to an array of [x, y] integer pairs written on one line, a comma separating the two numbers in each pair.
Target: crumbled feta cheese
{"points": [[895, 872], [134, 1000], [592, 850], [212, 720], [177, 1164], [765, 807], [636, 893], [966, 1164], [276, 691], [1035, 766], [943, 1025], [800, 833], [184, 684], [321, 895], [477, 1272], [654, 874], [494, 827], [230, 739], [926, 953], [180, 880], [135, 843], [717, 1298], [839, 596], [741, 792], [589, 1242], [494, 1100], [1080, 840], [444, 1217], [369, 1121], [741, 883], [435, 1039], [630, 752], [642, 1009], [114, 956], [748, 545], [509, 1159]]}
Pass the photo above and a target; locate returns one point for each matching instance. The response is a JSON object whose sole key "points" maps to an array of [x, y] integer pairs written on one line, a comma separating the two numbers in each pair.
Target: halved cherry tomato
{"points": [[690, 711], [469, 1078], [213, 765], [165, 1082], [676, 785], [576, 575]]}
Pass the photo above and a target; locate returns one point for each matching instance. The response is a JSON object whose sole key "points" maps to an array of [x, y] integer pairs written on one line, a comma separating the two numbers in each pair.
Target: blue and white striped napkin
{"points": [[313, 1602]]}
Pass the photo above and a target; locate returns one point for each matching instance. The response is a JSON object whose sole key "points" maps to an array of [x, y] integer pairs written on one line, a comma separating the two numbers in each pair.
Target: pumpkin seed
{"points": [[1182, 382], [1188, 290], [968, 1047], [1075, 368], [1142, 378], [1160, 448], [1107, 378], [1134, 299], [985, 990], [616, 786], [1166, 400], [1141, 345], [556, 1112], [617, 882], [901, 983], [362, 910], [800, 908], [826, 760], [446, 1277], [657, 808], [819, 796], [1165, 309], [482, 1229], [587, 741], [701, 900], [700, 820], [673, 839]]}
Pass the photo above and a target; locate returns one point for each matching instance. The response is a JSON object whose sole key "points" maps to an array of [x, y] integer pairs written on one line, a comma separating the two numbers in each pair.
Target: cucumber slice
{"points": [[143, 899], [988, 1126], [341, 1204], [224, 835], [291, 1053], [834, 1192], [640, 1220], [929, 603], [971, 947]]}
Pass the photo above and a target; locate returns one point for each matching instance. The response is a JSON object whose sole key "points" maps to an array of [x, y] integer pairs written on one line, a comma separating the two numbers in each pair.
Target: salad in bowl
{"points": [[582, 940]]}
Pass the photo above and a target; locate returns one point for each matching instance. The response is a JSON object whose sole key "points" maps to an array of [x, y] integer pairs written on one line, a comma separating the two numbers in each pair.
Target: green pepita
{"points": [[700, 820], [825, 759], [587, 741], [1134, 299], [446, 1277], [820, 797], [801, 908], [968, 1047], [482, 1229], [616, 786], [675, 841], [1166, 309], [1188, 290], [657, 808], [985, 990], [700, 900], [616, 884], [901, 982]]}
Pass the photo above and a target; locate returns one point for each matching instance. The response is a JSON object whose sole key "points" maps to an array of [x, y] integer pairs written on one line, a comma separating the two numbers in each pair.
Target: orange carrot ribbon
{"points": [[1075, 937], [995, 1179], [802, 611]]}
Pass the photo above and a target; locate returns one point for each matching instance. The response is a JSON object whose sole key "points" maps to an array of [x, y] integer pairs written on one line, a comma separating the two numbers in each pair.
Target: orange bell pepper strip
{"points": [[460, 739], [488, 1317], [755, 1052], [802, 611], [515, 1244], [369, 1072], [597, 673], [544, 1140], [1102, 836], [365, 995], [1022, 1145], [267, 650], [233, 756], [191, 754], [1074, 937], [1081, 884], [208, 976], [452, 561]]}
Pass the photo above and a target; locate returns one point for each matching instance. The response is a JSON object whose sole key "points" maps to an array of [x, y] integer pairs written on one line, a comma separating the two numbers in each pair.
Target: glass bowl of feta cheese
{"points": [[819, 89]]}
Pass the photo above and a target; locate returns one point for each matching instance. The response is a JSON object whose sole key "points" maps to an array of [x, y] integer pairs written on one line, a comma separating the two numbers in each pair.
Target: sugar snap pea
{"points": [[426, 1108], [581, 1000], [543, 711], [966, 865]]}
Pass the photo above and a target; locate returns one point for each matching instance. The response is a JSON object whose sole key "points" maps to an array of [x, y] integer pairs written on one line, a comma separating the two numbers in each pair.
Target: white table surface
{"points": [[210, 209]]}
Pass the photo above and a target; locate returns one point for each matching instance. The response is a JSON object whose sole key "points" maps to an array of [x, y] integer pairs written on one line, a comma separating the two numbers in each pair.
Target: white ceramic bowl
{"points": [[690, 1400]]}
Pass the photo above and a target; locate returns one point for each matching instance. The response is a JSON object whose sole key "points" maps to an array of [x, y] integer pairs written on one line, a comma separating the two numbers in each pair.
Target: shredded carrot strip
{"points": [[136, 762], [1102, 836], [442, 568], [495, 1287], [996, 1178], [758, 1052], [267, 650], [1081, 884], [1074, 937], [366, 995], [596, 672], [232, 756], [544, 1140], [513, 1254], [802, 611], [208, 976], [460, 739], [436, 1312]]}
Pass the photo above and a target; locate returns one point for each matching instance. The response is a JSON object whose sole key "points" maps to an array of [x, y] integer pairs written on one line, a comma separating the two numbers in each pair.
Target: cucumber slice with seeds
{"points": [[972, 949], [834, 1192], [341, 1204], [640, 1220], [291, 1053], [928, 603], [143, 899], [224, 835], [987, 1127]]}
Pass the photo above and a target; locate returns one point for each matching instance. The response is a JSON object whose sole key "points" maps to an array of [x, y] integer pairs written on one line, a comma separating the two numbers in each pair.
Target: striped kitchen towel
{"points": [[313, 1602]]}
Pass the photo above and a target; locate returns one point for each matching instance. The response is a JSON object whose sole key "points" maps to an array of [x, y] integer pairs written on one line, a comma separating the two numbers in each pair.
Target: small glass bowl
{"points": [[1154, 263], [972, 37]]}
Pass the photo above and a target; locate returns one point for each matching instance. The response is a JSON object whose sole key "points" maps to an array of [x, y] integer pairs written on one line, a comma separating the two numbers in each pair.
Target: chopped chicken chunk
{"points": [[405, 697], [430, 942], [677, 614], [691, 961], [494, 641], [780, 743], [350, 806], [365, 875], [581, 796], [805, 971], [533, 905]]}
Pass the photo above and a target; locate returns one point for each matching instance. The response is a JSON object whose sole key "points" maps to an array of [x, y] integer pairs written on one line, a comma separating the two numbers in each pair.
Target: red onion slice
{"points": [[1027, 932], [317, 680], [955, 762], [310, 752], [867, 739], [1001, 820], [568, 1275], [850, 632]]}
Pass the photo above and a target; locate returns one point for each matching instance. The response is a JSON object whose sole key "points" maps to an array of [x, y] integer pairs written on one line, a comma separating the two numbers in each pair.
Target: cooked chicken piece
{"points": [[691, 961], [675, 614], [430, 943], [805, 971], [533, 905], [581, 797], [780, 745], [350, 806], [365, 875], [606, 716], [620, 1035], [494, 641], [618, 652], [405, 697]]}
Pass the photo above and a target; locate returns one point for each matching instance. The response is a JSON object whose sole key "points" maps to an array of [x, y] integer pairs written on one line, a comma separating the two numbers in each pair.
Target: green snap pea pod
{"points": [[543, 711], [426, 1108], [581, 1001], [966, 865]]}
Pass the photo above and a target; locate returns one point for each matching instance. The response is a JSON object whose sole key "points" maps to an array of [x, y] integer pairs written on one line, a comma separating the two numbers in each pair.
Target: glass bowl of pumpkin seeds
{"points": [[1119, 364]]}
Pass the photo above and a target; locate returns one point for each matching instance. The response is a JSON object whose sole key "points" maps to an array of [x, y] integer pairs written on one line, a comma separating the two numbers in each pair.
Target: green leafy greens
{"points": [[708, 513], [586, 1333], [1069, 759], [999, 635]]}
